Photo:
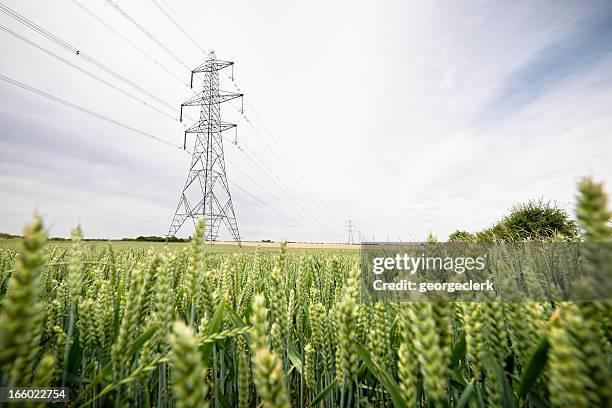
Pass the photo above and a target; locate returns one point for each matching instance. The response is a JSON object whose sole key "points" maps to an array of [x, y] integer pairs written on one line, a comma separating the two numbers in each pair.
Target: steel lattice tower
{"points": [[350, 228], [206, 184]]}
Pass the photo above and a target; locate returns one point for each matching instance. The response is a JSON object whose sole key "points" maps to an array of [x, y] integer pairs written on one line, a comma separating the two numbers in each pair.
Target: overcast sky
{"points": [[406, 117]]}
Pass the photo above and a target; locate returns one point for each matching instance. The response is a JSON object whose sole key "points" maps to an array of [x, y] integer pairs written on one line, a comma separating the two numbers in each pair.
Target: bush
{"points": [[535, 220], [461, 236]]}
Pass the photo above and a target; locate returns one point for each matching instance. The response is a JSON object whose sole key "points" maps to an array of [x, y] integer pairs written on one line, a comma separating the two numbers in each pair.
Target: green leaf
{"points": [[307, 278], [458, 352], [212, 328], [141, 340], [223, 399], [385, 379], [537, 401], [323, 394], [361, 373], [238, 321], [465, 395], [294, 356], [480, 395], [75, 356], [459, 386], [217, 319], [459, 378], [509, 400], [75, 378], [534, 368]]}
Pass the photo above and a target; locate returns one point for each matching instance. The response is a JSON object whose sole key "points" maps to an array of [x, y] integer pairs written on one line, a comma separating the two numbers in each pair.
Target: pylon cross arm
{"points": [[201, 127], [201, 99], [212, 66]]}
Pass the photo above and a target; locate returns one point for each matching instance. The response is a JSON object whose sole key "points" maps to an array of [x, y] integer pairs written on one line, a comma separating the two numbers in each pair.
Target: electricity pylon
{"points": [[206, 184], [350, 228]]}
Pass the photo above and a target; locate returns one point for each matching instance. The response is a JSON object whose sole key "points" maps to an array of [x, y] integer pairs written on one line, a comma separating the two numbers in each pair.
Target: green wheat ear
{"points": [[268, 375], [347, 330], [430, 357], [594, 218], [22, 312], [244, 394], [189, 374], [309, 366], [43, 376], [75, 267], [569, 378], [408, 365], [592, 211], [196, 268]]}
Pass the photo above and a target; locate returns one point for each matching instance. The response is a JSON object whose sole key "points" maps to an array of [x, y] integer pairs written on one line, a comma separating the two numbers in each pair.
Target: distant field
{"points": [[295, 245], [218, 246]]}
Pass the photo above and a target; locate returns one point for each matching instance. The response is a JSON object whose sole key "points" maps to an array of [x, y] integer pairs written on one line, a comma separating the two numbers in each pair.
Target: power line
{"points": [[279, 160], [242, 146], [252, 180], [148, 34], [84, 110], [312, 192], [267, 174], [135, 46], [315, 219], [91, 75], [267, 191], [271, 208], [64, 44], [13, 14], [179, 26], [240, 111], [252, 152], [130, 42], [280, 147]]}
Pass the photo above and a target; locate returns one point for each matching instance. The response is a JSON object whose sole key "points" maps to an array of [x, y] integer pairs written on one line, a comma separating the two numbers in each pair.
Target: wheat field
{"points": [[192, 326]]}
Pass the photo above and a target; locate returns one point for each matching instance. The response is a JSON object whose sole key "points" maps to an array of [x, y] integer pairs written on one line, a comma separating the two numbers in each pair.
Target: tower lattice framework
{"points": [[206, 192]]}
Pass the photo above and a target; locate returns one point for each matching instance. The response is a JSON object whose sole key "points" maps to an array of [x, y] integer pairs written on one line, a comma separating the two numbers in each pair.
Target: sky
{"points": [[407, 117]]}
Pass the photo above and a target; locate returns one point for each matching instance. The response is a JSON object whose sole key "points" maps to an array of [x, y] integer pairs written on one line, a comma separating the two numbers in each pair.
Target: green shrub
{"points": [[461, 236], [534, 220]]}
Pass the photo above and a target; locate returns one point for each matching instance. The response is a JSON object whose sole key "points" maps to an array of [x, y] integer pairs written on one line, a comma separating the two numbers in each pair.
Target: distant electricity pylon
{"points": [[350, 228], [206, 184]]}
